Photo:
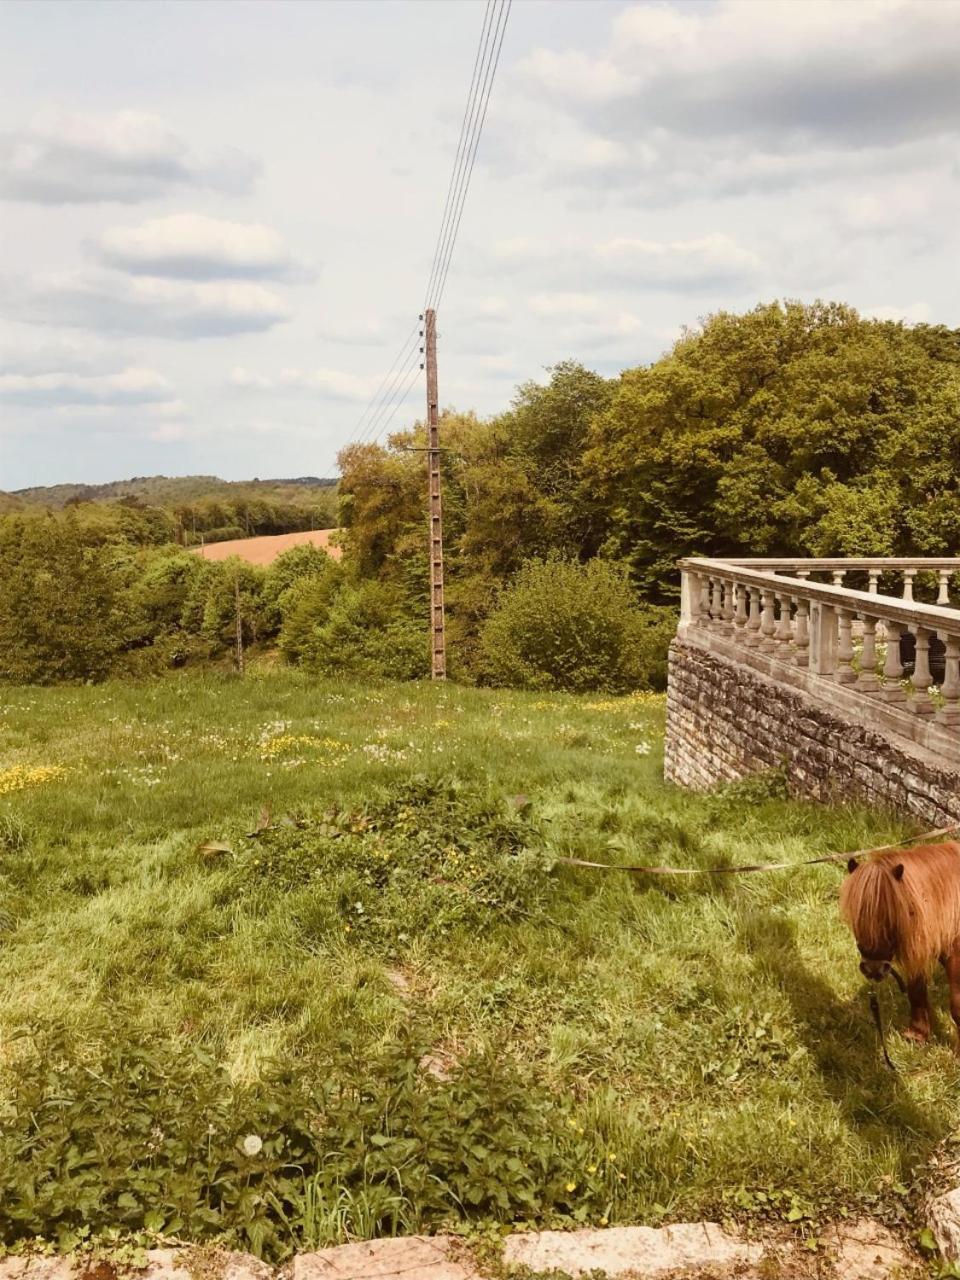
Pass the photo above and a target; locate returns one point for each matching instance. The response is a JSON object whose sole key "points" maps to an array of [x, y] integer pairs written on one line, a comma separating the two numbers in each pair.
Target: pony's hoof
{"points": [[916, 1035]]}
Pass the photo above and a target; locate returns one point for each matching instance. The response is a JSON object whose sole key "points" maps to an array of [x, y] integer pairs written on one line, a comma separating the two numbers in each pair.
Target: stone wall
{"points": [[726, 721]]}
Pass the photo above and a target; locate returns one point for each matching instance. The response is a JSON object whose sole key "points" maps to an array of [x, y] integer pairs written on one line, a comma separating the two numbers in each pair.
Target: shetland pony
{"points": [[904, 906]]}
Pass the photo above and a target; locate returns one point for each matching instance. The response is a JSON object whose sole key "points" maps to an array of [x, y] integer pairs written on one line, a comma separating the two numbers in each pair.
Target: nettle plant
{"points": [[152, 1142]]}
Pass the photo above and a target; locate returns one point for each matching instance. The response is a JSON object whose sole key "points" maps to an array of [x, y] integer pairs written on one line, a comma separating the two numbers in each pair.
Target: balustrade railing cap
{"points": [[892, 563], [930, 616]]}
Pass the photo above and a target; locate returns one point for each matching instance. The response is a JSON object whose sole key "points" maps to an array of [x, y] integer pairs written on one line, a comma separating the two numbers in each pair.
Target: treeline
{"points": [[73, 608], [208, 519], [166, 491], [791, 429]]}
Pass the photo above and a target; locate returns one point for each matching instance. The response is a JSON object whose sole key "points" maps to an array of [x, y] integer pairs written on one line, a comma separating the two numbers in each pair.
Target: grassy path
{"points": [[597, 1048]]}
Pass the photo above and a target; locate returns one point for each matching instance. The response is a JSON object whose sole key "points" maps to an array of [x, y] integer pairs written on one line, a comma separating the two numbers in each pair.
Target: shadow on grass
{"points": [[876, 1103]]}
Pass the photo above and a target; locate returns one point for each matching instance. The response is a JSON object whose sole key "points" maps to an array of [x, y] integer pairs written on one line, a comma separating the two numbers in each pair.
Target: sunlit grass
{"points": [[711, 1031]]}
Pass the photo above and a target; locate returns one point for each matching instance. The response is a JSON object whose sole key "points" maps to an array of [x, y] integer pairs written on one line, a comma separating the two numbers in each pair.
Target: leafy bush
{"points": [[297, 565], [368, 635], [575, 627], [304, 606]]}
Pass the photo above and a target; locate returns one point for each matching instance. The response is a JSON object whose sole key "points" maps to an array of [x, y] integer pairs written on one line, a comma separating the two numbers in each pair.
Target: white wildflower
{"points": [[252, 1144]]}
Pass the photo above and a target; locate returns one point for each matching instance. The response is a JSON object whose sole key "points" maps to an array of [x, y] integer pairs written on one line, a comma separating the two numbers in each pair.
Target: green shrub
{"points": [[575, 627], [298, 565], [304, 606], [369, 635]]}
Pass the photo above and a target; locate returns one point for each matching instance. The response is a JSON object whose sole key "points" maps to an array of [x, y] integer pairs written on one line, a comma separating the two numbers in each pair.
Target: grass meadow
{"points": [[390, 1009]]}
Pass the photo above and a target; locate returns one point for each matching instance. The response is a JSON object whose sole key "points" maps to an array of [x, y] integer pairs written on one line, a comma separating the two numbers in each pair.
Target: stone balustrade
{"points": [[840, 644], [906, 571]]}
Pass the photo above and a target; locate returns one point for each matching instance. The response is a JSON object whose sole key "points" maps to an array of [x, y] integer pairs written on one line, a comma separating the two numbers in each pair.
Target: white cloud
{"points": [[912, 313], [114, 303], [193, 246], [705, 262], [126, 156], [333, 383], [363, 333], [694, 101], [566, 306], [130, 386]]}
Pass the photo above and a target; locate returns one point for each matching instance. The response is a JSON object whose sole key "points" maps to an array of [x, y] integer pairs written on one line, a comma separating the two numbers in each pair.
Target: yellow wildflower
{"points": [[19, 776], [571, 1186]]}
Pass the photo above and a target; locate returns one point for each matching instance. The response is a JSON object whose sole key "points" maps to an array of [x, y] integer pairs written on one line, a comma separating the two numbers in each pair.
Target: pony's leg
{"points": [[919, 1028], [952, 966]]}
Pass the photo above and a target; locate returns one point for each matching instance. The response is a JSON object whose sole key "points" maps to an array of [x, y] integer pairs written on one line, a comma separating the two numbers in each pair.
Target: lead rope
{"points": [[878, 1021], [753, 866]]}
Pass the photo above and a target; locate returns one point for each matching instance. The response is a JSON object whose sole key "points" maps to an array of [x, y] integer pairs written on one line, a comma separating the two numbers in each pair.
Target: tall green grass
{"points": [[667, 1047]]}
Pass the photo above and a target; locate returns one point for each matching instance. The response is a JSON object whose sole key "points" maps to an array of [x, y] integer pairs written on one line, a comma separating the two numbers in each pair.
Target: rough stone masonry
{"points": [[726, 721]]}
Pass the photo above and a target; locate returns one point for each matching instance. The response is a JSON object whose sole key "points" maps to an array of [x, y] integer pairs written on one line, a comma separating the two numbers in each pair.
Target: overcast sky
{"points": [[217, 219]]}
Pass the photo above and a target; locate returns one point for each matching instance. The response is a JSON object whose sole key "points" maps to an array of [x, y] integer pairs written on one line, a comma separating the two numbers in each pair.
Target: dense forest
{"points": [[790, 429]]}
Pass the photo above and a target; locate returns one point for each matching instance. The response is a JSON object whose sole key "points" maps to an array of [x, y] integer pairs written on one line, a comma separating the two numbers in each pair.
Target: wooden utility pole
{"points": [[239, 621], [438, 643]]}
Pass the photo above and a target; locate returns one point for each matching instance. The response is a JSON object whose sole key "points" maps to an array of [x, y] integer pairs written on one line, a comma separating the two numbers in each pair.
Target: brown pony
{"points": [[905, 906]]}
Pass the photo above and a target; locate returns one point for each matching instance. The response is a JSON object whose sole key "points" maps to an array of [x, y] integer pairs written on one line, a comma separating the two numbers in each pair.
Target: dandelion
{"points": [[571, 1186], [591, 1168], [252, 1144], [20, 776]]}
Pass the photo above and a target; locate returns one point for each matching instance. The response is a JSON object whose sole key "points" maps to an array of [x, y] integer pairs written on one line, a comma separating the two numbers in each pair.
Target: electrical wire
{"points": [[481, 104], [376, 426], [467, 113], [387, 399], [405, 393], [359, 430]]}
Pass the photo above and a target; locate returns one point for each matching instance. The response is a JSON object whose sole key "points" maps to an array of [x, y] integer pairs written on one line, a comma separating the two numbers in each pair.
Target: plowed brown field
{"points": [[265, 550]]}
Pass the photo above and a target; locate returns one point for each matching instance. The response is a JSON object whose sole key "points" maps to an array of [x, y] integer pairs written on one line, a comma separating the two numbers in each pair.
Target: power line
{"points": [[388, 408], [467, 113], [488, 88], [406, 391], [392, 391], [357, 432]]}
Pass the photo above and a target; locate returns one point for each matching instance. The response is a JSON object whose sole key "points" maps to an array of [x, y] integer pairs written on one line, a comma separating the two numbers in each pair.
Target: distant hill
{"points": [[163, 491]]}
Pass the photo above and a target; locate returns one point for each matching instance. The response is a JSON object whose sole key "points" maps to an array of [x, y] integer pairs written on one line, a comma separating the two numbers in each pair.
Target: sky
{"points": [[217, 219]]}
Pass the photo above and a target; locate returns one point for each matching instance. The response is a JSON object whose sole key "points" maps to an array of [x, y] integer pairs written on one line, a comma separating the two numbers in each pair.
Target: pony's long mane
{"points": [[920, 912]]}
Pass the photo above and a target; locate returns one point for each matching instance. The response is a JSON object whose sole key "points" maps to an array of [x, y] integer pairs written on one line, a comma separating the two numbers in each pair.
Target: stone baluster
{"points": [[873, 586], [949, 713], [689, 598], [823, 639], [728, 608], [838, 577], [752, 637], [784, 631], [716, 603], [844, 673], [703, 618], [920, 704], [801, 637], [893, 690], [867, 681], [943, 586], [768, 626], [740, 612], [908, 577]]}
